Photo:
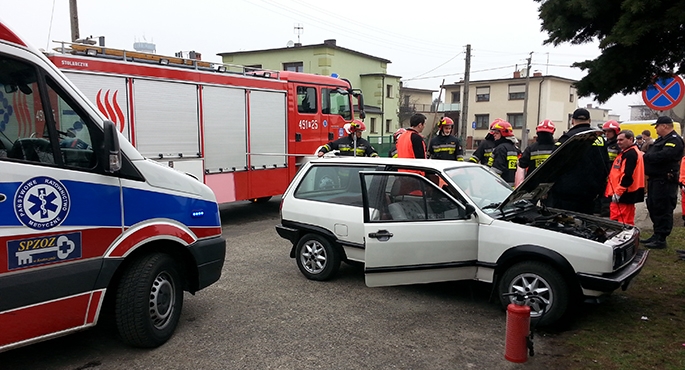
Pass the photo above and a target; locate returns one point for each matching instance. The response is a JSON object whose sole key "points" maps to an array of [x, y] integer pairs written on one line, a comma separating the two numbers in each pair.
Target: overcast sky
{"points": [[425, 40]]}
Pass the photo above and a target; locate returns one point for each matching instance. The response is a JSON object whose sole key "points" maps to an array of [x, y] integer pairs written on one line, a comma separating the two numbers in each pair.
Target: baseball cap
{"points": [[662, 119], [581, 113], [638, 137]]}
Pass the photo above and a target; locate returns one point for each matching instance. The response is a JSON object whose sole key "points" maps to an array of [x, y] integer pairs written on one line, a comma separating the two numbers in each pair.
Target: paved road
{"points": [[263, 314]]}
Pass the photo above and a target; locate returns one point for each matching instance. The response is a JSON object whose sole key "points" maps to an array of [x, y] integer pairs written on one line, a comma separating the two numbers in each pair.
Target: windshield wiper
{"points": [[492, 205]]}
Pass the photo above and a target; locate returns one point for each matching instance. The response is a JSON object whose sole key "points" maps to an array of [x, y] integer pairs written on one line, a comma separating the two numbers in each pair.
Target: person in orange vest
{"points": [[681, 181], [626, 181], [411, 144]]}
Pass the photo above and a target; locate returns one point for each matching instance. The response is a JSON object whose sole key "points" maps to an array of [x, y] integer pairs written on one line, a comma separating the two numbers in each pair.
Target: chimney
{"points": [[329, 42], [589, 105], [517, 74], [537, 74]]}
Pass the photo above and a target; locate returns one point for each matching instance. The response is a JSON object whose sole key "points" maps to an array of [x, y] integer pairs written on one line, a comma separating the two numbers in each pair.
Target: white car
{"points": [[420, 221]]}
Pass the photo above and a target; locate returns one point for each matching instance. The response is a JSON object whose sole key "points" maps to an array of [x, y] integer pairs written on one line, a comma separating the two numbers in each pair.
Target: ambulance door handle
{"points": [[2, 197]]}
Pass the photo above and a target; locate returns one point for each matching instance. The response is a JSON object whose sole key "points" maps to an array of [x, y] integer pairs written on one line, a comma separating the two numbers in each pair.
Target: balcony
{"points": [[428, 108]]}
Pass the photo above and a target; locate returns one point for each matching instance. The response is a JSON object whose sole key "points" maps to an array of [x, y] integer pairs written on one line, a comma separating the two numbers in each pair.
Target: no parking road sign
{"points": [[664, 94]]}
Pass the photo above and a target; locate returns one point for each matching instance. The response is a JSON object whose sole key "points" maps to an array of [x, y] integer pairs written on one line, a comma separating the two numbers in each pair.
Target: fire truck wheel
{"points": [[316, 257], [260, 200], [540, 280], [149, 300]]}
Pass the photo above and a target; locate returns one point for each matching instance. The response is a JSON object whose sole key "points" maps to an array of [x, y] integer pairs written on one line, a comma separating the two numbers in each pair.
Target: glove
{"points": [[614, 198]]}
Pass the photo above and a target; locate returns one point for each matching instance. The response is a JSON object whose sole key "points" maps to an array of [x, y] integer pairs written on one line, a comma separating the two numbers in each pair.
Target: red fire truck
{"points": [[242, 131]]}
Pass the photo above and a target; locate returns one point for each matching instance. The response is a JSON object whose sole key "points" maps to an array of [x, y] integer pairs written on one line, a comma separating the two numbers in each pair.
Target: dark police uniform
{"points": [[445, 147], [346, 147], [662, 166]]}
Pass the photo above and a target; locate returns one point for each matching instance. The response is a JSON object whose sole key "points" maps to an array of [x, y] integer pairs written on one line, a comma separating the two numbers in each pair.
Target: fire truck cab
{"points": [[242, 131], [88, 226]]}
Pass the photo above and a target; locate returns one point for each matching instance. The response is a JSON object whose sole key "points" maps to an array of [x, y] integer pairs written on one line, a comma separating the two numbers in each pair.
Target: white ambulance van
{"points": [[87, 225]]}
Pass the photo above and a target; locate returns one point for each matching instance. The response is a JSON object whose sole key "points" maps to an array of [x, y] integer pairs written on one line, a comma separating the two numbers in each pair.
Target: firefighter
{"points": [[352, 145], [506, 154], [662, 164], [611, 130], [541, 149], [626, 185], [484, 151], [445, 145], [411, 144], [395, 136], [585, 178]]}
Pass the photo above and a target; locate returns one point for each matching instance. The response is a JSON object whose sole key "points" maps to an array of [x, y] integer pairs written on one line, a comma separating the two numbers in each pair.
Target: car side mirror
{"points": [[112, 152], [469, 210]]}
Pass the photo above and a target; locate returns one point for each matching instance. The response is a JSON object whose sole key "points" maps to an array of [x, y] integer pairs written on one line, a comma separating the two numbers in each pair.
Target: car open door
{"points": [[415, 232]]}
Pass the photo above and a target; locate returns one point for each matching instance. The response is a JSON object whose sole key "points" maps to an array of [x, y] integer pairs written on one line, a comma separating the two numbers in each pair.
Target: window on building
{"points": [[388, 91], [306, 99], [388, 125], [483, 93], [516, 119], [482, 121], [456, 96], [571, 92], [517, 92], [374, 128], [293, 67]]}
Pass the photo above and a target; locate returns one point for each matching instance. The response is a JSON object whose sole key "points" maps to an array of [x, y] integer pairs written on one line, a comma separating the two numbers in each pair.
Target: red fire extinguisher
{"points": [[519, 335]]}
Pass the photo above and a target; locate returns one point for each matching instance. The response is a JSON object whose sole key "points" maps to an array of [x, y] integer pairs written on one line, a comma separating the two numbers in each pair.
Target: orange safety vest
{"points": [[405, 149], [618, 171]]}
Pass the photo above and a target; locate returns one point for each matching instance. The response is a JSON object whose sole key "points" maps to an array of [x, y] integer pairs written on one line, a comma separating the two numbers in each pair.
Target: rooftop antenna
{"points": [[298, 29]]}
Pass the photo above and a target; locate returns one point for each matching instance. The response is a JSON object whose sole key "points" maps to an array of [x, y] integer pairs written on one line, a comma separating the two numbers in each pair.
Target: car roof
{"points": [[404, 162]]}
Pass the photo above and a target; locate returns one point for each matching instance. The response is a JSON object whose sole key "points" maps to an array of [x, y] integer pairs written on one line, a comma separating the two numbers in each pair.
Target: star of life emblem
{"points": [[41, 203]]}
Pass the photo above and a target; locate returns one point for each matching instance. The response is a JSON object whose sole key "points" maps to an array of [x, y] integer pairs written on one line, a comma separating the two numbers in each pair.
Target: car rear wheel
{"points": [[547, 290], [149, 300], [316, 257]]}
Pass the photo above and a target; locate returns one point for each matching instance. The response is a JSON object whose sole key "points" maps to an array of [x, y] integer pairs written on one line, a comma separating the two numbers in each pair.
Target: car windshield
{"points": [[486, 189]]}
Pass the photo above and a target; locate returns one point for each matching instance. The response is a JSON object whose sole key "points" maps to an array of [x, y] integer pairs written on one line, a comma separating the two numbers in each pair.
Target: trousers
{"points": [[661, 201]]}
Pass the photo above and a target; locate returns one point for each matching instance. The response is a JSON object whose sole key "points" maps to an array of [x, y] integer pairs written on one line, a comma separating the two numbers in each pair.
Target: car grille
{"points": [[625, 253]]}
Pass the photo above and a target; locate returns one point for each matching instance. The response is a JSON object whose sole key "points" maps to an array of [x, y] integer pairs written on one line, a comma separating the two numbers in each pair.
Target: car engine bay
{"points": [[585, 226]]}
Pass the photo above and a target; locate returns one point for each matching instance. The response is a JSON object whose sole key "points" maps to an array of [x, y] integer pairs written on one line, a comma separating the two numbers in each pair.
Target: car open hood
{"points": [[538, 183]]}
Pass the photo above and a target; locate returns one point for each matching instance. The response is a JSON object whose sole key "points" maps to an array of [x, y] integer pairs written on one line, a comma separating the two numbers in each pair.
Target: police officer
{"points": [[541, 149], [662, 165], [393, 148], [506, 154], [484, 150], [353, 144], [445, 145], [585, 179]]}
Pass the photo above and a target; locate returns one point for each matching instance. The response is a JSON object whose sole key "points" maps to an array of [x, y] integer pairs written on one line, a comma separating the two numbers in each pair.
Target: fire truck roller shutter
{"points": [[225, 128], [268, 122], [166, 119], [109, 94]]}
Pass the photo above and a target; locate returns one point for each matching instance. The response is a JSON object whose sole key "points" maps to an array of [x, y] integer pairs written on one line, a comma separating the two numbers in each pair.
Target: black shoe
{"points": [[649, 240], [656, 244]]}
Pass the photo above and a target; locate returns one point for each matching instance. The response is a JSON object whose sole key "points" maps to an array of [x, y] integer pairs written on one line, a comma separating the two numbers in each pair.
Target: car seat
{"points": [[32, 149], [406, 204]]}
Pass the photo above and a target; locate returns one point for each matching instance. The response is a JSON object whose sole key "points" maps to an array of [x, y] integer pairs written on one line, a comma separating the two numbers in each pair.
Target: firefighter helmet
{"points": [[492, 125], [399, 132], [611, 126], [503, 127], [357, 125], [445, 121], [546, 126]]}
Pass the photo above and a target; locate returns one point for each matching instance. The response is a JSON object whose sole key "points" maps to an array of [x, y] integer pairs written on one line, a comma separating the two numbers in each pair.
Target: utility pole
{"points": [[465, 97], [524, 129], [73, 16]]}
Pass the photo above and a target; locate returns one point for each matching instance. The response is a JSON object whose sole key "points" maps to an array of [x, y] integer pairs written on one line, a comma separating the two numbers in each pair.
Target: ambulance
{"points": [[242, 131], [89, 228]]}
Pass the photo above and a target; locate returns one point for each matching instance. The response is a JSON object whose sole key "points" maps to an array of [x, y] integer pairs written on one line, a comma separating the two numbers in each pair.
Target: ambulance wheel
{"points": [[149, 300], [316, 257], [540, 280], [260, 200]]}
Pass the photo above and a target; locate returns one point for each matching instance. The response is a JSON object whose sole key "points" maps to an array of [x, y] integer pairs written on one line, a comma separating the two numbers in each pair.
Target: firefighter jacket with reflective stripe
{"points": [[483, 152], [662, 159], [537, 152], [445, 147], [346, 147], [586, 176], [504, 159], [612, 149], [393, 151], [627, 176], [411, 145]]}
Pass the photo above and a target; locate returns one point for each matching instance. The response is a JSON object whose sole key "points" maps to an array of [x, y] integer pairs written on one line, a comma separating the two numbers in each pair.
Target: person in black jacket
{"points": [[541, 149], [662, 167], [485, 148], [506, 154], [352, 145], [585, 179], [445, 145]]}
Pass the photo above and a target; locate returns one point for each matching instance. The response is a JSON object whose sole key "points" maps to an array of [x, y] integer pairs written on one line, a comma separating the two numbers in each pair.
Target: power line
{"points": [[425, 73], [457, 74]]}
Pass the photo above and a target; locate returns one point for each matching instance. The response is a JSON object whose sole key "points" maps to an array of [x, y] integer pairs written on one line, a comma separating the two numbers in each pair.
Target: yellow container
{"points": [[638, 126]]}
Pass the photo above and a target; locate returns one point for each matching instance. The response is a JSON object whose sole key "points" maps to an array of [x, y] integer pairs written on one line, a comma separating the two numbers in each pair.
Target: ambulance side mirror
{"points": [[112, 152]]}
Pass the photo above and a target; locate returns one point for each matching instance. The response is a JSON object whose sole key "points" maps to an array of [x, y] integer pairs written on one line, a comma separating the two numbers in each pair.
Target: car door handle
{"points": [[381, 235]]}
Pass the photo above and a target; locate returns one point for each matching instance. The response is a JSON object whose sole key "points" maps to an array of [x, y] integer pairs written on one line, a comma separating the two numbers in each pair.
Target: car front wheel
{"points": [[316, 257], [546, 290]]}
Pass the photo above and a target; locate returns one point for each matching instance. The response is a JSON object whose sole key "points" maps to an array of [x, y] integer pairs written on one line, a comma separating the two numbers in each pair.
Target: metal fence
{"points": [[382, 144]]}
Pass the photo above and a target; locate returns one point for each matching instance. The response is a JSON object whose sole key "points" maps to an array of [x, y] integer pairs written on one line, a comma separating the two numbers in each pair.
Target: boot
{"points": [[658, 243], [649, 240]]}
